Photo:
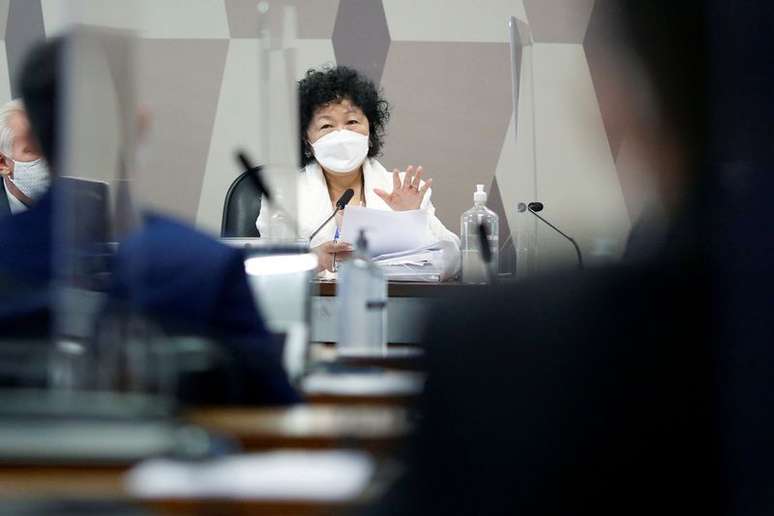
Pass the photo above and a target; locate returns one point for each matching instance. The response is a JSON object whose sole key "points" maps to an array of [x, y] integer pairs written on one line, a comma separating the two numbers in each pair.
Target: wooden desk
{"points": [[375, 429], [408, 308], [405, 288], [85, 484], [401, 358]]}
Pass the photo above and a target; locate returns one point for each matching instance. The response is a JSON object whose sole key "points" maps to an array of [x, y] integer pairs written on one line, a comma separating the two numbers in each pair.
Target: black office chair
{"points": [[241, 208]]}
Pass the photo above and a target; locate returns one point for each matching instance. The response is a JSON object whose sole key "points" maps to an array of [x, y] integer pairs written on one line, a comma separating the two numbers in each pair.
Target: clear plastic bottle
{"points": [[473, 267], [361, 299]]}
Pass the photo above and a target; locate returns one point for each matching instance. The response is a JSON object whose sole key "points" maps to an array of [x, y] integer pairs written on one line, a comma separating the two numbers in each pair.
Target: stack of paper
{"points": [[386, 231], [400, 240], [338, 475], [421, 264]]}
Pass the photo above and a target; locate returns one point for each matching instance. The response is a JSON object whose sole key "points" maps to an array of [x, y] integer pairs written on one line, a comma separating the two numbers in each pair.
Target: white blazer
{"points": [[314, 206]]}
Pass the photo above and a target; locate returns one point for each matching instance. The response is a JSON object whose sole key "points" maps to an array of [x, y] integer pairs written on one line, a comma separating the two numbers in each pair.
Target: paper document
{"points": [[279, 475], [420, 264], [387, 231]]}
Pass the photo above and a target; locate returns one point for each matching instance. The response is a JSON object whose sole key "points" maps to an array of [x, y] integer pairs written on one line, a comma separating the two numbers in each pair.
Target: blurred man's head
{"points": [[654, 85], [40, 92]]}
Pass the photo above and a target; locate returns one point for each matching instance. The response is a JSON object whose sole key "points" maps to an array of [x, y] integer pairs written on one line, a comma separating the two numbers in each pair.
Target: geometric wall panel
{"points": [[5, 85], [361, 37], [452, 20], [451, 123], [23, 29], [315, 19], [179, 82], [577, 178], [4, 6], [558, 21], [167, 19]]}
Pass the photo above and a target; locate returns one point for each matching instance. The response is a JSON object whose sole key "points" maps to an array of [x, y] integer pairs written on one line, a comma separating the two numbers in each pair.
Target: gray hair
{"points": [[6, 134]]}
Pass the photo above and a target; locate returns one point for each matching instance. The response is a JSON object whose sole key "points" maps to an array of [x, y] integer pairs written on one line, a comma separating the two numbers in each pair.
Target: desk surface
{"points": [[99, 485], [327, 288], [376, 429]]}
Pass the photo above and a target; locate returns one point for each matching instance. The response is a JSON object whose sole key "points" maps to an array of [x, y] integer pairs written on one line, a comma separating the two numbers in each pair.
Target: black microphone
{"points": [[347, 196], [535, 207], [340, 205], [254, 174]]}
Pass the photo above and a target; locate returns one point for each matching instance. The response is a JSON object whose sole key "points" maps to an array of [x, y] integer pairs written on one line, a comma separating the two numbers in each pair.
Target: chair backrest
{"points": [[241, 208]]}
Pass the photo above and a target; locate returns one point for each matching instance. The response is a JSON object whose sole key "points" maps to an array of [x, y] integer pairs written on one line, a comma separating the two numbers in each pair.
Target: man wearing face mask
{"points": [[25, 176], [342, 123]]}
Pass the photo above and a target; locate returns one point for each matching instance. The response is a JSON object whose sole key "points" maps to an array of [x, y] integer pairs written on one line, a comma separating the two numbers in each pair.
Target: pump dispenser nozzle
{"points": [[479, 196], [361, 245]]}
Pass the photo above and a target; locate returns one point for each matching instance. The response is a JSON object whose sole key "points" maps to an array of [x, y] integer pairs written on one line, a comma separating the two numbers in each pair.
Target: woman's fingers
{"points": [[334, 247], [396, 180], [381, 193], [325, 253], [425, 187], [408, 179], [417, 178], [341, 247]]}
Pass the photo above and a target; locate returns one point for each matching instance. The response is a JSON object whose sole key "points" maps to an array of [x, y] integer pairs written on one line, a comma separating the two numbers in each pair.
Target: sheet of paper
{"points": [[435, 246], [279, 475], [393, 383], [387, 231]]}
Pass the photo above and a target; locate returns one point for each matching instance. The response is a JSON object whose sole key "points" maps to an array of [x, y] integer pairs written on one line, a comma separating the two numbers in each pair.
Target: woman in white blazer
{"points": [[342, 123]]}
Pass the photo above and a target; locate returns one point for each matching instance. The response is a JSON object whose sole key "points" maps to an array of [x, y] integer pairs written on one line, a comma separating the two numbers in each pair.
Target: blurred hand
{"points": [[408, 194], [325, 253]]}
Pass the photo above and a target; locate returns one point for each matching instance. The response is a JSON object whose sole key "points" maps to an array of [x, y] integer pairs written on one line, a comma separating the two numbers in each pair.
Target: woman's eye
{"points": [[326, 126], [352, 122]]}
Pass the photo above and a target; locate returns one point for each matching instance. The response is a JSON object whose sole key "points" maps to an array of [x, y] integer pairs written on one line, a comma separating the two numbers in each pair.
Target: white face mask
{"points": [[341, 151], [31, 177]]}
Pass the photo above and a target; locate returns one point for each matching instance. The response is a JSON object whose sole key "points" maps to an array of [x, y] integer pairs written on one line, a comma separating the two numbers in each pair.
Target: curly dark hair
{"points": [[334, 84]]}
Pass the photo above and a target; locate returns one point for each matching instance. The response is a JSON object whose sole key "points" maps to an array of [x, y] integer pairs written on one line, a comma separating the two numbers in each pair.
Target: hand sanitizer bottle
{"points": [[473, 266], [361, 300]]}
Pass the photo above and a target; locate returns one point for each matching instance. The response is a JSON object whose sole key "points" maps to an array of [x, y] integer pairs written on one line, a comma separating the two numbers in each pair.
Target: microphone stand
{"points": [[254, 174], [568, 237], [338, 209]]}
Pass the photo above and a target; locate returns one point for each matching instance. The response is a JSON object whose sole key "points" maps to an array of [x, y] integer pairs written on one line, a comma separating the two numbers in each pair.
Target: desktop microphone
{"points": [[347, 196], [535, 207], [254, 173]]}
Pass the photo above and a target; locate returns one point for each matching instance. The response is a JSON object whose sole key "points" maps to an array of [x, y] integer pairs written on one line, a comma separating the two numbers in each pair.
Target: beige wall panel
{"points": [[151, 18], [483, 21], [577, 179]]}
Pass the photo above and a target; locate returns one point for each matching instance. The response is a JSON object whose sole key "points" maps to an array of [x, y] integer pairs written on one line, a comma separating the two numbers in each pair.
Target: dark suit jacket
{"points": [[167, 271], [5, 207]]}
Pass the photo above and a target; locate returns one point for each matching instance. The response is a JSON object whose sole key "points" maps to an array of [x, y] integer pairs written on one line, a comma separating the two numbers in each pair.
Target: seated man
{"points": [[185, 281], [24, 174]]}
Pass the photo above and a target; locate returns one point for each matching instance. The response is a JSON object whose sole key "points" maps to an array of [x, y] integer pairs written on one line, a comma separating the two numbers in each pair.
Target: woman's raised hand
{"points": [[407, 194]]}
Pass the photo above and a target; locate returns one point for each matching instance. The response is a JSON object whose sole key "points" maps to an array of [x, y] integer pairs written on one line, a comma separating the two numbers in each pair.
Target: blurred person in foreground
{"points": [[632, 390], [25, 175], [179, 278]]}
